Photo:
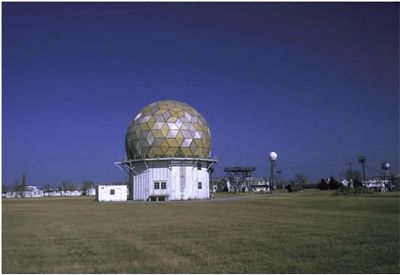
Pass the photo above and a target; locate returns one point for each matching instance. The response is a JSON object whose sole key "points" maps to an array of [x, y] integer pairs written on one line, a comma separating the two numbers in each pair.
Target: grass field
{"points": [[308, 232]]}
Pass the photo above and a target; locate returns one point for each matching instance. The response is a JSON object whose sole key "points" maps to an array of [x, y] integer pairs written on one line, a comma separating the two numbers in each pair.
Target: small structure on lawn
{"points": [[112, 193]]}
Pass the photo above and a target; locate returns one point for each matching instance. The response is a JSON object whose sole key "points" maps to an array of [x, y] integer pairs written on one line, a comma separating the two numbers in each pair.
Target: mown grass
{"points": [[308, 232]]}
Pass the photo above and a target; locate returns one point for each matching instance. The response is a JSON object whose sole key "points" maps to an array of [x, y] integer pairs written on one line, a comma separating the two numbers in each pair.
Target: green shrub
{"points": [[323, 185], [334, 184], [294, 187]]}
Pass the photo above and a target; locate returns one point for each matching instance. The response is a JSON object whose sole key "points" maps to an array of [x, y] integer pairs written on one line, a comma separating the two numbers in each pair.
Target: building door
{"points": [[182, 178]]}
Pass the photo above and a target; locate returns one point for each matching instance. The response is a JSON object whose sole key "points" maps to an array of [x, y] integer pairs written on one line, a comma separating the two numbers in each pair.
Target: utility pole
{"points": [[23, 185], [279, 172], [362, 160], [350, 163], [385, 167], [23, 179]]}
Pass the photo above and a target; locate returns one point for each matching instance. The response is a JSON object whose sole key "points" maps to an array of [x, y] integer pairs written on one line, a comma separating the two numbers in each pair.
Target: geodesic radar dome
{"points": [[168, 129]]}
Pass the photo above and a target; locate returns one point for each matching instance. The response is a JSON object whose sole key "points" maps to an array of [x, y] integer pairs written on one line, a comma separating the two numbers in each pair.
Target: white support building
{"points": [[112, 193], [169, 179]]}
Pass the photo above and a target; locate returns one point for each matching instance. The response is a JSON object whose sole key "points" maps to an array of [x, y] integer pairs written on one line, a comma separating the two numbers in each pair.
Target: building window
{"points": [[163, 185], [112, 192], [199, 185], [156, 185], [198, 166]]}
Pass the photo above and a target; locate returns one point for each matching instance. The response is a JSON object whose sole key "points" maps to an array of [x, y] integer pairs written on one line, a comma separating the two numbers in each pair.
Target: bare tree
{"points": [[67, 186], [87, 184]]}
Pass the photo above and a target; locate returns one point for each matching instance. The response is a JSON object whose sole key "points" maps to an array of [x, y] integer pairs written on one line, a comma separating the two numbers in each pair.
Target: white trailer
{"points": [[112, 193]]}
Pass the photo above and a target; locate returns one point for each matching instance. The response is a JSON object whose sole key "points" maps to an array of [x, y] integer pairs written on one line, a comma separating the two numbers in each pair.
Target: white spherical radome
{"points": [[386, 165], [273, 156]]}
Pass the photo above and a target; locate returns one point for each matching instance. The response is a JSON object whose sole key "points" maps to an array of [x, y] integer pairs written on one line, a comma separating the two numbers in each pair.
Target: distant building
{"points": [[31, 188], [378, 184], [260, 185], [10, 195], [347, 183], [251, 184], [73, 193], [31, 191], [91, 191], [33, 194], [52, 193], [112, 193]]}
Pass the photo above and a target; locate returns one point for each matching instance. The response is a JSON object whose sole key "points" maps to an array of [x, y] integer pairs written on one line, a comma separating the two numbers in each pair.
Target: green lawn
{"points": [[308, 232]]}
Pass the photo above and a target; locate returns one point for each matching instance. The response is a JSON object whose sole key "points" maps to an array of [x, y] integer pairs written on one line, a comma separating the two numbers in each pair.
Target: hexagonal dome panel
{"points": [[168, 128]]}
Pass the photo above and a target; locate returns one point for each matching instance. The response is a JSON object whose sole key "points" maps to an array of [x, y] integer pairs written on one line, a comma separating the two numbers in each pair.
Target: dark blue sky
{"points": [[318, 83]]}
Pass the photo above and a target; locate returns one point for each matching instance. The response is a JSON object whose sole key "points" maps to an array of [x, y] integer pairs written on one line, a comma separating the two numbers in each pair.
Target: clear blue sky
{"points": [[318, 83]]}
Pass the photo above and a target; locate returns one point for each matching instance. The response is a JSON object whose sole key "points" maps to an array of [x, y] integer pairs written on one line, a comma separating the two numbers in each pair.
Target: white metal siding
{"points": [[182, 182]]}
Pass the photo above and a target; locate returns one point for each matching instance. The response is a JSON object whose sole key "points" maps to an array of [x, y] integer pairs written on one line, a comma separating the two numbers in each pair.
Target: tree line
{"points": [[301, 181]]}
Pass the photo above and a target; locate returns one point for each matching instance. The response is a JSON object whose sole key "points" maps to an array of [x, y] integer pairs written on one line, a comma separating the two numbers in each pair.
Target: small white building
{"points": [[33, 194], [377, 184], [260, 185], [112, 193], [31, 191], [53, 193], [10, 195], [73, 193]]}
